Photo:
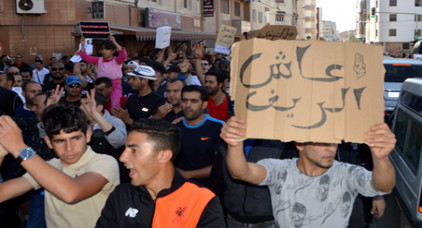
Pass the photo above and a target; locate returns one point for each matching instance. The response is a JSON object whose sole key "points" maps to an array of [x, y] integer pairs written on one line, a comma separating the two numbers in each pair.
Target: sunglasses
{"points": [[54, 69], [75, 85]]}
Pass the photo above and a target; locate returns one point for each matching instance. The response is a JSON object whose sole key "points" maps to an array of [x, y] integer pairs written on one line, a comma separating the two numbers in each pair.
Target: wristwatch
{"points": [[25, 154]]}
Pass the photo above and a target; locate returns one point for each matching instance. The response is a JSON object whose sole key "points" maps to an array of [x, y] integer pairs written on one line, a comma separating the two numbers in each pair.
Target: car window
{"points": [[400, 72], [408, 134], [414, 147], [400, 129], [412, 101]]}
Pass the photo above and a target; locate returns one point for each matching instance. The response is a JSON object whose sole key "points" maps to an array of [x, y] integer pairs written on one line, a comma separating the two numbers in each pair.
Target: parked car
{"points": [[406, 156], [396, 71]]}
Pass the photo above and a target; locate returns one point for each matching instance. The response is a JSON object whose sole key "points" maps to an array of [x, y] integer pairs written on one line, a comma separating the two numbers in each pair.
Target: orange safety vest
{"points": [[181, 208]]}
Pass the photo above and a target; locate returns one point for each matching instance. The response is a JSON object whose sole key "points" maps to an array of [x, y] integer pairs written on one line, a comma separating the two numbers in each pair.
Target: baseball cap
{"points": [[133, 63], [144, 72], [173, 68], [72, 80]]}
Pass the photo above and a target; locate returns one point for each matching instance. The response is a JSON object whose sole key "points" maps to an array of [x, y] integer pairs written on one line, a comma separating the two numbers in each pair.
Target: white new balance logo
{"points": [[131, 212]]}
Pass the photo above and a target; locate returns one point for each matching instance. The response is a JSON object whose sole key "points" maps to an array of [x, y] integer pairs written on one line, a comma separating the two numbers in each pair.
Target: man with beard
{"points": [[219, 105], [58, 75], [171, 109], [146, 102], [29, 91], [200, 136], [73, 87]]}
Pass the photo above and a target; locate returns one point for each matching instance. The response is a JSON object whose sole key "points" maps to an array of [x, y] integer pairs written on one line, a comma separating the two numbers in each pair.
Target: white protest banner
{"points": [[307, 90], [162, 39], [225, 39], [89, 49]]}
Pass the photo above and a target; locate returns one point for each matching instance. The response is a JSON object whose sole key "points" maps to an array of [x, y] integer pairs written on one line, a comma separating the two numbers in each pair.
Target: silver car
{"points": [[406, 156], [396, 71]]}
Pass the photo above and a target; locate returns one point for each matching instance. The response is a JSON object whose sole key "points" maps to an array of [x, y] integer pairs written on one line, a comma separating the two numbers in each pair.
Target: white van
{"points": [[396, 71], [406, 156]]}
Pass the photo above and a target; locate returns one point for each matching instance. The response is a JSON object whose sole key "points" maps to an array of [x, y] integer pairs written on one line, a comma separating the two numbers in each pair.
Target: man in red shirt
{"points": [[219, 105]]}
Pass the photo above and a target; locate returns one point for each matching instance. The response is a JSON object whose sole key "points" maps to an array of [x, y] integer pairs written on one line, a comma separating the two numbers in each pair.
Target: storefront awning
{"points": [[143, 33]]}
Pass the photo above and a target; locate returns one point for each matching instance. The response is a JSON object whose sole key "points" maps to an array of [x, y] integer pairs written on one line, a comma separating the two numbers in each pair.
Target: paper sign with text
{"points": [[277, 32], [162, 39], [307, 90], [225, 39]]}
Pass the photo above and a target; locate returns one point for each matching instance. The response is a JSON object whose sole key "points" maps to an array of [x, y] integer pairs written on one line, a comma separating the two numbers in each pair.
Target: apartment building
{"points": [[307, 20], [363, 16], [283, 12], [395, 24], [329, 31]]}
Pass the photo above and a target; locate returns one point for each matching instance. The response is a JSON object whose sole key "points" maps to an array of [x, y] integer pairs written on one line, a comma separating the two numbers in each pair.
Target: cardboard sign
{"points": [[307, 90], [277, 32], [162, 39], [225, 39], [95, 29]]}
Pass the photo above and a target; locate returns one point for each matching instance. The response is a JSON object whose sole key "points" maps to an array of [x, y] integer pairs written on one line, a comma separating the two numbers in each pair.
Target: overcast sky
{"points": [[343, 12]]}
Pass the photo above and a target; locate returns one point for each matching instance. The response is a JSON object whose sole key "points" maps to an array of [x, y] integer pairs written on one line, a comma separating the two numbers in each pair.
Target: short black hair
{"points": [[107, 44], [69, 66], [10, 77], [220, 75], [164, 135], [108, 83], [159, 67], [196, 88], [173, 80], [63, 117], [26, 70], [39, 61], [206, 59]]}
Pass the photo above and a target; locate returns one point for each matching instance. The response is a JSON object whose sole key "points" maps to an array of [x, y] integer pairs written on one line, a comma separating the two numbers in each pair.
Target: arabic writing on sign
{"points": [[284, 34], [282, 69]]}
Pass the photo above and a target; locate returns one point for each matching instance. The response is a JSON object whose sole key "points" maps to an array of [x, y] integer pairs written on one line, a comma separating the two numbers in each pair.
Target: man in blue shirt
{"points": [[200, 135]]}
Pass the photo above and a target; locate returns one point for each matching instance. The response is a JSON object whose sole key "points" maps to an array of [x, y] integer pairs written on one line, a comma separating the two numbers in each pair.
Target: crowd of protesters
{"points": [[152, 141]]}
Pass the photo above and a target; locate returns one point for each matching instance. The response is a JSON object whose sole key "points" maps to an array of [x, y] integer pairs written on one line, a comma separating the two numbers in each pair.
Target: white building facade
{"points": [[395, 24]]}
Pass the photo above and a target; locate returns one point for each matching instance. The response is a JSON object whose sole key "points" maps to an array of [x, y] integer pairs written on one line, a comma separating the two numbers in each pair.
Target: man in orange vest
{"points": [[158, 195]]}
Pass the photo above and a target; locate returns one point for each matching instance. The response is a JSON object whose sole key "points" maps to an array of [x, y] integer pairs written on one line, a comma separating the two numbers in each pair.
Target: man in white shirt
{"points": [[39, 73]]}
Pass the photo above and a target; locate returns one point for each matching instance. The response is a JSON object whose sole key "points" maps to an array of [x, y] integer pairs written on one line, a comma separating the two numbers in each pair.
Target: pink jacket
{"points": [[111, 69]]}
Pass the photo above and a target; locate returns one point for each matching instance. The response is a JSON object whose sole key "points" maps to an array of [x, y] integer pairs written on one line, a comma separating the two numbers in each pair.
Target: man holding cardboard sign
{"points": [[313, 190], [317, 94]]}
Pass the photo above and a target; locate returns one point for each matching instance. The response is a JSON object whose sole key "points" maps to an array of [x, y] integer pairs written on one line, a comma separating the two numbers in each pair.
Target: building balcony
{"points": [[309, 3], [309, 30]]}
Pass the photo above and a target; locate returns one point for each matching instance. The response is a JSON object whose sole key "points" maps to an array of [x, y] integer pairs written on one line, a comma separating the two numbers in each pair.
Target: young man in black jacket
{"points": [[158, 195]]}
